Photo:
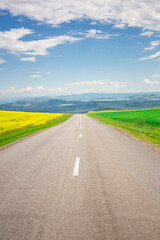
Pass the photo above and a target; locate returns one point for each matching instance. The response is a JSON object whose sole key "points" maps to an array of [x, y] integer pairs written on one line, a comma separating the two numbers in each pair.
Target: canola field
{"points": [[144, 124], [11, 120], [15, 125]]}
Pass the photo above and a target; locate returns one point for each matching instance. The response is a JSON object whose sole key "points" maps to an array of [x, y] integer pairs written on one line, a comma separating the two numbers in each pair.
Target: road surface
{"points": [[80, 180]]}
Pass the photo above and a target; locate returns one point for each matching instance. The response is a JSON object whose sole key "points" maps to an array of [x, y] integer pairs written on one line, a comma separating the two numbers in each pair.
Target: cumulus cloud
{"points": [[79, 87], [147, 33], [93, 33], [95, 86], [16, 90], [105, 83], [11, 41], [135, 13], [31, 91], [40, 88], [15, 34], [151, 82], [2, 60], [120, 25]]}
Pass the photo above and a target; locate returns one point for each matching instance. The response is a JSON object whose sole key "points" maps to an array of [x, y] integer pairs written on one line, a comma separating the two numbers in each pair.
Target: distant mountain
{"points": [[98, 96], [48, 104], [84, 97], [13, 99]]}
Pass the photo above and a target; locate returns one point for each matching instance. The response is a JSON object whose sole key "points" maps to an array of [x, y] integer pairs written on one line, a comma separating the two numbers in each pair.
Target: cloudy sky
{"points": [[77, 46]]}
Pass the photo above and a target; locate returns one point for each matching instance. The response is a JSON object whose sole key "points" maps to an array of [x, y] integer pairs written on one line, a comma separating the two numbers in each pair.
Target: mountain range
{"points": [[81, 103]]}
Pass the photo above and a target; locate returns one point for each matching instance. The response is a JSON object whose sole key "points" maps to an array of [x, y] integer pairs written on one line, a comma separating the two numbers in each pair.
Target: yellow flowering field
{"points": [[12, 120]]}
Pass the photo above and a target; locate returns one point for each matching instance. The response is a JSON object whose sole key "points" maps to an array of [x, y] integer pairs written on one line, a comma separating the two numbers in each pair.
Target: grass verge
{"points": [[144, 124], [13, 135]]}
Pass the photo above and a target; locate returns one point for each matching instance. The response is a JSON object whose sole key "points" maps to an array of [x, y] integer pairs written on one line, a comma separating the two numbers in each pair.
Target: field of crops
{"points": [[145, 124], [15, 125], [14, 120]]}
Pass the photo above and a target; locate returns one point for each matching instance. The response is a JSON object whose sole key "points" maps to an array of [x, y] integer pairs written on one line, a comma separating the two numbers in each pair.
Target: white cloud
{"points": [[14, 34], [104, 83], [155, 55], [40, 88], [20, 90], [93, 33], [31, 91], [93, 23], [155, 76], [35, 76], [28, 59], [153, 44], [144, 13], [151, 82], [48, 73], [57, 89], [15, 90], [120, 25], [28, 89], [147, 33], [148, 48], [11, 41], [2, 61]]}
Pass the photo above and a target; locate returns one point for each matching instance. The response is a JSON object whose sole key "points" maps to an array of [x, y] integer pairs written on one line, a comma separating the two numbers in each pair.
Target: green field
{"points": [[144, 124], [16, 125]]}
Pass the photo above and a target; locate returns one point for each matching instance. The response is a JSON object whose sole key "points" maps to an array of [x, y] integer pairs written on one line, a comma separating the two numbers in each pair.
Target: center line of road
{"points": [[80, 135], [76, 167]]}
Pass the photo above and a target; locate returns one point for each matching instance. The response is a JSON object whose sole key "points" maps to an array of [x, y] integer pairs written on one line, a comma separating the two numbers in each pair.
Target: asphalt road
{"points": [[80, 180]]}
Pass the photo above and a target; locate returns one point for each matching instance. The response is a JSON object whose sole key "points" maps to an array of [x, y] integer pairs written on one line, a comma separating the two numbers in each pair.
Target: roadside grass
{"points": [[21, 131], [144, 124]]}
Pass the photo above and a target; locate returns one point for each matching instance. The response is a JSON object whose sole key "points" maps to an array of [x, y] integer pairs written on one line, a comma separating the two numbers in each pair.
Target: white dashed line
{"points": [[76, 167], [80, 122], [80, 135]]}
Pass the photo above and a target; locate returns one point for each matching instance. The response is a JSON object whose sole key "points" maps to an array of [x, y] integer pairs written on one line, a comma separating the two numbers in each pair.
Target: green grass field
{"points": [[16, 125], [144, 124]]}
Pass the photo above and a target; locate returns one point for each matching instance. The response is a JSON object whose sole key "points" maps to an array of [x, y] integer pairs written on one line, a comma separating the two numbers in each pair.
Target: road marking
{"points": [[76, 167], [80, 122], [80, 135], [80, 127]]}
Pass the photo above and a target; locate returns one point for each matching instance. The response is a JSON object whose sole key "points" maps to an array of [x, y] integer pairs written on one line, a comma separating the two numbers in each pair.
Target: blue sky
{"points": [[65, 47]]}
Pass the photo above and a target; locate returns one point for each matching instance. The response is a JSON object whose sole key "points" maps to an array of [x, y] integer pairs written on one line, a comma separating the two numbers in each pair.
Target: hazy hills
{"points": [[99, 96], [85, 102]]}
